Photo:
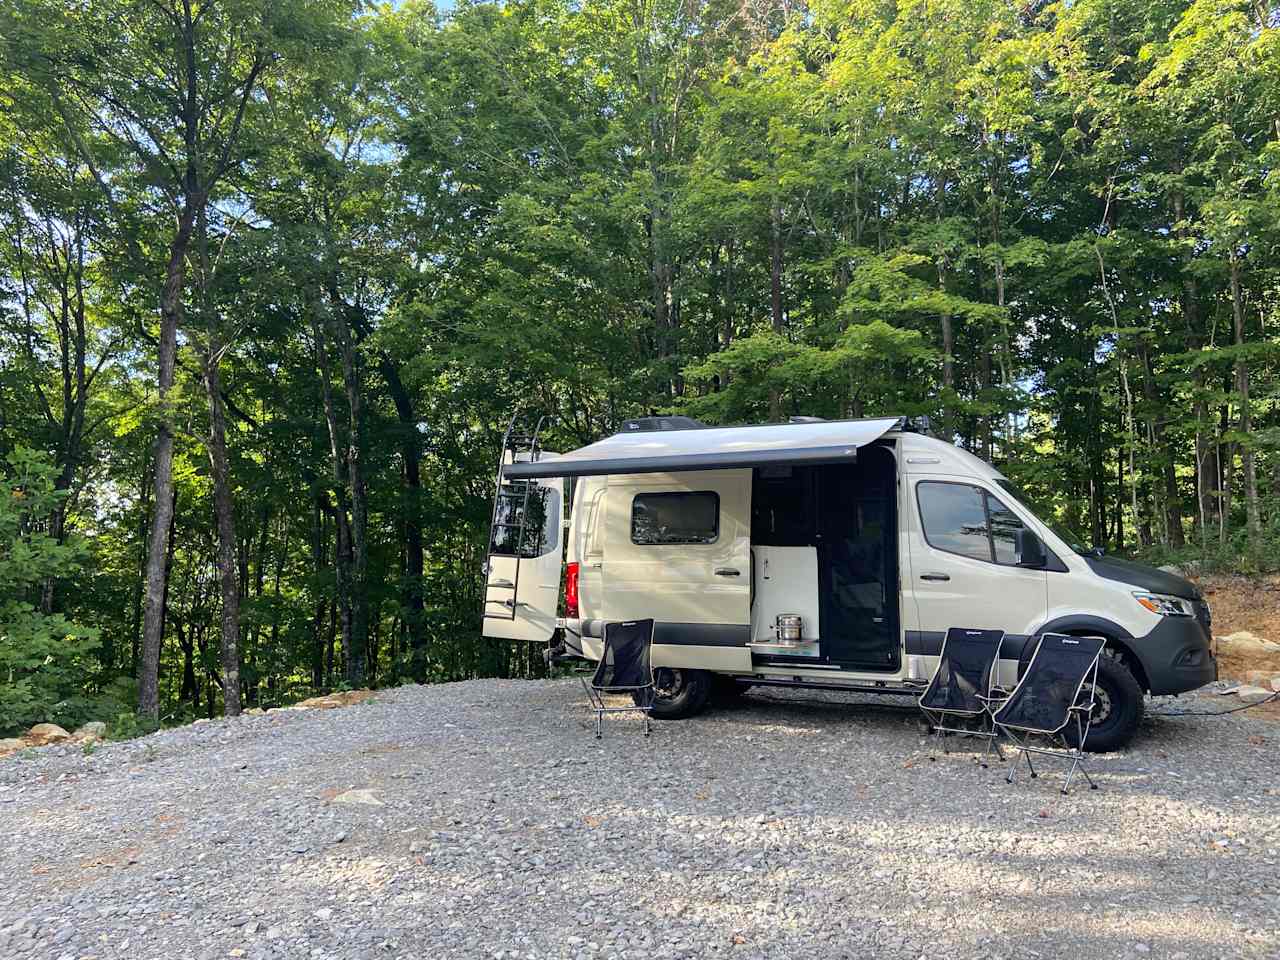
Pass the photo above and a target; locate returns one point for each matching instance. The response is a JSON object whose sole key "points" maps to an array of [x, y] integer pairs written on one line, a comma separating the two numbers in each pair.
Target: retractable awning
{"points": [[711, 448]]}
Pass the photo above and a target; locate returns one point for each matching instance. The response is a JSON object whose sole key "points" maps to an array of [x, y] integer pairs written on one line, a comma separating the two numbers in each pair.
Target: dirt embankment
{"points": [[1246, 619]]}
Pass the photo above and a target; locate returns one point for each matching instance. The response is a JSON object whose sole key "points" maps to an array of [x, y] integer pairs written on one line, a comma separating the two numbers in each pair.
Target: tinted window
{"points": [[971, 522], [1005, 527], [954, 518], [675, 518], [541, 530]]}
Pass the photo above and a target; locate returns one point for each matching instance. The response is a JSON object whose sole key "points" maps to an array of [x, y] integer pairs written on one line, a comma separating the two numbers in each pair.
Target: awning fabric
{"points": [[711, 448]]}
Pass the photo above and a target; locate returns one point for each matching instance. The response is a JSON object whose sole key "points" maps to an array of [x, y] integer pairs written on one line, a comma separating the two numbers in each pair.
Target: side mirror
{"points": [[1030, 550]]}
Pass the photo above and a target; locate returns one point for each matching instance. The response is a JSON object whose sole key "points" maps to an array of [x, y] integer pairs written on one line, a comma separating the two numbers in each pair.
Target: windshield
{"points": [[1070, 537]]}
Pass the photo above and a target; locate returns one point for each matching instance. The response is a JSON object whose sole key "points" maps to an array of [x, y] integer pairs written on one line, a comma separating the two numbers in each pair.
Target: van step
{"points": [[895, 691]]}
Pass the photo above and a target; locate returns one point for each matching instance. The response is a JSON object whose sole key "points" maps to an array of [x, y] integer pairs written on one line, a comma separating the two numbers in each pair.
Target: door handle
{"points": [[935, 576], [727, 572], [503, 584], [596, 564]]}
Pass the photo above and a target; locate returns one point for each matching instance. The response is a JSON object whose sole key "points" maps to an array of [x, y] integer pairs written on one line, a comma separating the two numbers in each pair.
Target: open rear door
{"points": [[522, 587]]}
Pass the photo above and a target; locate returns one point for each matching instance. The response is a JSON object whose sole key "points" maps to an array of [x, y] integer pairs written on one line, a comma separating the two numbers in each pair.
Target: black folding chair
{"points": [[1049, 697], [963, 685], [623, 668]]}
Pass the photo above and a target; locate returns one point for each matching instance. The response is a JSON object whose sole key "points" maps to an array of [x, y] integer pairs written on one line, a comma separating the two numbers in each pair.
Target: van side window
{"points": [[969, 521], [658, 518], [1004, 532], [541, 525], [954, 518]]}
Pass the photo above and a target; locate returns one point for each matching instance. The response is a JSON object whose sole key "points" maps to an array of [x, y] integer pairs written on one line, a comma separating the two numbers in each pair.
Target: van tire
{"points": [[1120, 703], [679, 693]]}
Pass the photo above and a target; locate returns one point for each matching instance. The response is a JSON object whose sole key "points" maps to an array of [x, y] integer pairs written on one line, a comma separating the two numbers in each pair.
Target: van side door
{"points": [[678, 549], [965, 568]]}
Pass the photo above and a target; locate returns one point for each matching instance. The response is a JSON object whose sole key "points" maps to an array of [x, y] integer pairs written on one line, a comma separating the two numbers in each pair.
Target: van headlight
{"points": [[1164, 606]]}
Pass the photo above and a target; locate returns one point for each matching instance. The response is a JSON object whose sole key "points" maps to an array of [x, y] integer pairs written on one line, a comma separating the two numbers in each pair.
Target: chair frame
{"points": [[936, 717], [596, 694], [1080, 713]]}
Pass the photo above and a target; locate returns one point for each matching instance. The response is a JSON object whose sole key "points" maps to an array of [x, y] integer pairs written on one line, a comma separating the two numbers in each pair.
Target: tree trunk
{"points": [[342, 552], [319, 624], [358, 653], [948, 337], [411, 596], [1253, 520], [224, 513], [162, 485], [775, 268], [225, 519], [778, 317]]}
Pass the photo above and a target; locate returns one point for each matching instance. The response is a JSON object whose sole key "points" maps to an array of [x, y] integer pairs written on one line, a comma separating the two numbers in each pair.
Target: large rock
{"points": [[93, 730], [1242, 641], [1248, 691], [344, 698], [43, 733]]}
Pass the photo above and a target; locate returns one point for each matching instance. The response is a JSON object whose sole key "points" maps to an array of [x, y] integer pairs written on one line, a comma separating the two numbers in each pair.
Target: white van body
{"points": [[880, 539]]}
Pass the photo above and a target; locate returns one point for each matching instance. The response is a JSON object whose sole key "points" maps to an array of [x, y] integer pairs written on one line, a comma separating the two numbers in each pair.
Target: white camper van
{"points": [[831, 554]]}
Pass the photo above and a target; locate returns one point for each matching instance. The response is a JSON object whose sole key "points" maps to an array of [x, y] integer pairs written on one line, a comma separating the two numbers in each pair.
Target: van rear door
{"points": [[522, 573]]}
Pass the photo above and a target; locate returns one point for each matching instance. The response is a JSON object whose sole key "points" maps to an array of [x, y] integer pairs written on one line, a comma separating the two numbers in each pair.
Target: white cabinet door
{"points": [[964, 570]]}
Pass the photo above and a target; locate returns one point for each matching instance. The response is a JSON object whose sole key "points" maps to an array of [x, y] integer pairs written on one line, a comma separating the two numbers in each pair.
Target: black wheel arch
{"points": [[1119, 640]]}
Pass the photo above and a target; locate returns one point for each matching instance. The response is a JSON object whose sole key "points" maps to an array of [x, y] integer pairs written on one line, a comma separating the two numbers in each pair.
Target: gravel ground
{"points": [[482, 819]]}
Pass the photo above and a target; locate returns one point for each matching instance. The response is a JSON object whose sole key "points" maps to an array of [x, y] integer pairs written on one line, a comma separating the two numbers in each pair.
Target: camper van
{"points": [[827, 554]]}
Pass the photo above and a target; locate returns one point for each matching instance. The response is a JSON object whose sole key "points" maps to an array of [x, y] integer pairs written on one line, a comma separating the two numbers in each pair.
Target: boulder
{"points": [[43, 733], [93, 730], [1248, 691], [11, 745], [344, 698], [1242, 641]]}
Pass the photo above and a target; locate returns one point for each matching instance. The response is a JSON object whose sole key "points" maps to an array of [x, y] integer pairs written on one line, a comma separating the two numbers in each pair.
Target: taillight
{"points": [[571, 590]]}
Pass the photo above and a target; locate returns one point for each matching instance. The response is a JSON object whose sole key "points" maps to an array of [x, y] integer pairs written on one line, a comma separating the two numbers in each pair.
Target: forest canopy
{"points": [[275, 274]]}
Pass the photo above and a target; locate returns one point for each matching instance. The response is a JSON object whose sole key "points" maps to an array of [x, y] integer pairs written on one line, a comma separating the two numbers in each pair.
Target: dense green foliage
{"points": [[364, 235], [46, 662]]}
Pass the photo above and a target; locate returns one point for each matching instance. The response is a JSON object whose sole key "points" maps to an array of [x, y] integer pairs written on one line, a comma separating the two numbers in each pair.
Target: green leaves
{"points": [[44, 658]]}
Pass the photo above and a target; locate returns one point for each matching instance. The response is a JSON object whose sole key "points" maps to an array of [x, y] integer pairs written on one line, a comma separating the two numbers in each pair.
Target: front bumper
{"points": [[1177, 655]]}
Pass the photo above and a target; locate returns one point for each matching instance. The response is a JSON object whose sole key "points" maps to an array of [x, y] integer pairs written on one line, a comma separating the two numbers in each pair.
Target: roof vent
{"points": [[806, 419], [656, 424]]}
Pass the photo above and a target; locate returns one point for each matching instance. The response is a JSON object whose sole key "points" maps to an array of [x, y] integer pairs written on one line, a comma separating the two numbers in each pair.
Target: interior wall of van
{"points": [[846, 514]]}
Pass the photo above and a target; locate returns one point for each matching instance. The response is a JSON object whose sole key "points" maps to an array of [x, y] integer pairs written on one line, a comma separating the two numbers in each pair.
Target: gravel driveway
{"points": [[482, 819]]}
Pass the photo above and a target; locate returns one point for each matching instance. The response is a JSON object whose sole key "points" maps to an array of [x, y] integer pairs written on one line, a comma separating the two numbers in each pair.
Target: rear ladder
{"points": [[518, 446]]}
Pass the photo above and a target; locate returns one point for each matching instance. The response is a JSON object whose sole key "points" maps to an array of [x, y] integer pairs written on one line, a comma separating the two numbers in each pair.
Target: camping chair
{"points": [[1047, 699], [963, 685], [624, 668]]}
